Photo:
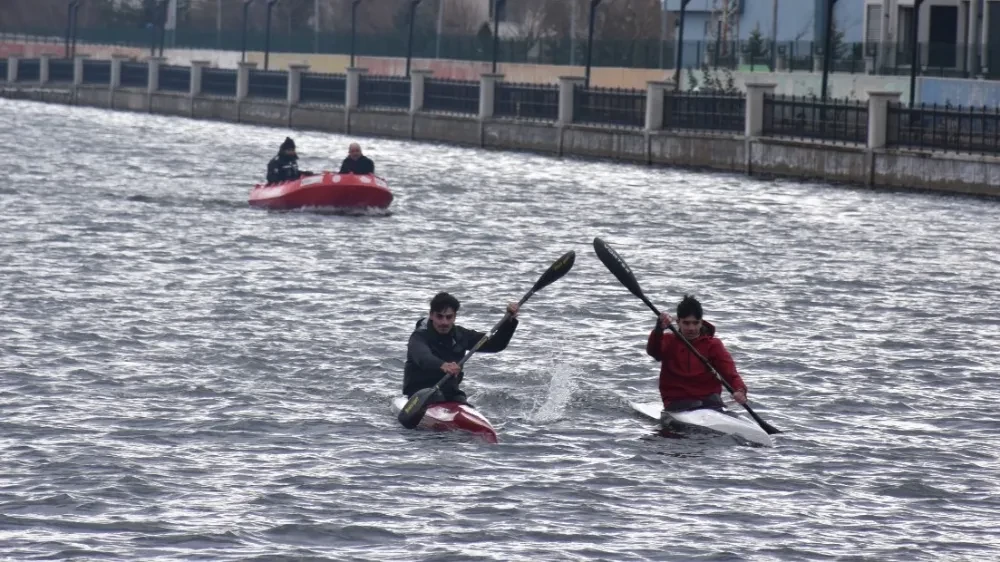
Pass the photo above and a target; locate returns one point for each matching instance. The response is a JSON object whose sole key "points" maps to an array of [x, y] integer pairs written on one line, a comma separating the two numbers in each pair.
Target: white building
{"points": [[952, 34]]}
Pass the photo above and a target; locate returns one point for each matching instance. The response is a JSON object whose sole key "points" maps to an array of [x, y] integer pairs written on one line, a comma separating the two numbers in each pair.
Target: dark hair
{"points": [[442, 301], [689, 307]]}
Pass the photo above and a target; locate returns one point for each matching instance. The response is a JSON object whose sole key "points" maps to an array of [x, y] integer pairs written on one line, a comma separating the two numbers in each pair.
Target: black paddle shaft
{"points": [[415, 408], [624, 274]]}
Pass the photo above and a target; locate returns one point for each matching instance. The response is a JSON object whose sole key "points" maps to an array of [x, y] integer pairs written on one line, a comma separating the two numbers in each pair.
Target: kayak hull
{"points": [[324, 190], [706, 419], [452, 416]]}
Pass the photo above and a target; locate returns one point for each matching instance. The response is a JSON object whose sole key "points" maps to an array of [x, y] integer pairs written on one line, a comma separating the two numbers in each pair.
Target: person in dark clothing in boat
{"points": [[356, 163], [685, 382], [285, 166], [438, 344]]}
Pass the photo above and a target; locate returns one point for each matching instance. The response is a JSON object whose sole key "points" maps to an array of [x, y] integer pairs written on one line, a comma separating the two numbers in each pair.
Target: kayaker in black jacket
{"points": [[438, 344], [285, 166], [356, 163]]}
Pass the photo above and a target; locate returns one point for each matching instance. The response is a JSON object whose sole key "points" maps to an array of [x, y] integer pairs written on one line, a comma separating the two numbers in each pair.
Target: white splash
{"points": [[561, 387]]}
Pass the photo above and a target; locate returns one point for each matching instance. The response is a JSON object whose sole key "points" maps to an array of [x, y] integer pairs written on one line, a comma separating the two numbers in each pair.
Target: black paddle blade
{"points": [[415, 408], [559, 268], [617, 266]]}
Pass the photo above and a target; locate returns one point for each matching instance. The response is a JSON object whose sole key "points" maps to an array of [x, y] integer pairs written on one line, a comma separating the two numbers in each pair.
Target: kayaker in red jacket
{"points": [[685, 382]]}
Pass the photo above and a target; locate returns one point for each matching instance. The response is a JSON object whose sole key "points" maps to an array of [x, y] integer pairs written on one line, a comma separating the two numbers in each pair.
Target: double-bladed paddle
{"points": [[415, 408], [620, 269]]}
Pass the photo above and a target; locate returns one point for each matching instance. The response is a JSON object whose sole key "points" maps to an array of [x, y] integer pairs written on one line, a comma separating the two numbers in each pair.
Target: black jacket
{"points": [[363, 165], [283, 168], [427, 350]]}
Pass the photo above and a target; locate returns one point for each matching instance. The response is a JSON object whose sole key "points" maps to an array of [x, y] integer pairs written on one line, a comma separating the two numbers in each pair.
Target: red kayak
{"points": [[452, 416], [325, 189]]}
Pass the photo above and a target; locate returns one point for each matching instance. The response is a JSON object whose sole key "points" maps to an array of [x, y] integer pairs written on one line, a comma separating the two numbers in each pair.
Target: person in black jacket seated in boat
{"points": [[438, 344], [356, 163], [285, 166]]}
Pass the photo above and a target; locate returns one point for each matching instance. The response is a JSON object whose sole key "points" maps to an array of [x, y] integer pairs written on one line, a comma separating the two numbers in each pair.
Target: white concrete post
{"points": [[78, 69], [755, 108], [295, 82], [116, 70], [44, 62], [11, 69], [243, 79], [654, 103], [354, 75], [566, 87], [417, 79], [487, 94], [197, 66], [153, 78], [878, 116]]}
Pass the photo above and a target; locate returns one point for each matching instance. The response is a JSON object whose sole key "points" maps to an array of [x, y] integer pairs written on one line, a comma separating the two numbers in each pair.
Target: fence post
{"points": [[417, 79], [153, 76], [755, 108], [295, 82], [566, 86], [243, 79], [116, 71], [44, 61], [78, 68], [655, 91], [354, 75], [197, 69], [11, 69], [487, 94], [878, 117]]}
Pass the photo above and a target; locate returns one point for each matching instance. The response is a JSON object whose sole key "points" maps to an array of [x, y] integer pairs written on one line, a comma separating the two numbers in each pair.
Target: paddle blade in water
{"points": [[617, 266], [556, 270], [415, 408]]}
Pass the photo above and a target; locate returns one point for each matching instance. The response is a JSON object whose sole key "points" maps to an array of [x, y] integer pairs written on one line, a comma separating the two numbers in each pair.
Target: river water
{"points": [[184, 377]]}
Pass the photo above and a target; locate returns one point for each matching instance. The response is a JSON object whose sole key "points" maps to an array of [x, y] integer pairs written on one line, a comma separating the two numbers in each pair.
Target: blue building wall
{"points": [[800, 20]]}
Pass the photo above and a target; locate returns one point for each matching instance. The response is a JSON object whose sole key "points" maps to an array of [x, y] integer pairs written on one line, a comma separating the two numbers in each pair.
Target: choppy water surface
{"points": [[185, 377]]}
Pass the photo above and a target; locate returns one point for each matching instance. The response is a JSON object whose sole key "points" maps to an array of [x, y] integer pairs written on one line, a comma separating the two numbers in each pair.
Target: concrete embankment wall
{"points": [[890, 168]]}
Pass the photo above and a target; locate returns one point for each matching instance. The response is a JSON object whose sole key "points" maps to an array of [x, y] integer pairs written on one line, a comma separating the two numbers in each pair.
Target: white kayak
{"points": [[706, 418]]}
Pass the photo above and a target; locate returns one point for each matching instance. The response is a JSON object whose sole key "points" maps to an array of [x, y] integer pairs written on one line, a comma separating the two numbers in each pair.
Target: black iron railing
{"points": [[711, 112], [174, 78], [29, 70], [608, 106], [384, 91], [800, 117], [134, 75], [526, 101], [451, 96], [97, 72], [956, 129], [218, 82], [270, 84], [323, 88], [61, 70]]}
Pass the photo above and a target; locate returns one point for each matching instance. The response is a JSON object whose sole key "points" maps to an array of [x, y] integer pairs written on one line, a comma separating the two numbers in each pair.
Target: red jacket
{"points": [[682, 375]]}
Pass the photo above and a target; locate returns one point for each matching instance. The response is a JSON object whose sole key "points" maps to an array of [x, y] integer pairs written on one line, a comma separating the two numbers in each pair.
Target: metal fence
{"points": [[134, 75], [97, 71], [174, 78], [609, 106], [710, 112], [61, 70], [451, 96], [384, 91], [218, 82], [526, 101], [956, 129], [270, 84], [800, 117], [29, 70], [323, 88]]}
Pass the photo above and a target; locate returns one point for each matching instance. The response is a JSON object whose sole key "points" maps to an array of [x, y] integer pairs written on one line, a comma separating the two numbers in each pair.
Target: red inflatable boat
{"points": [[325, 189]]}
